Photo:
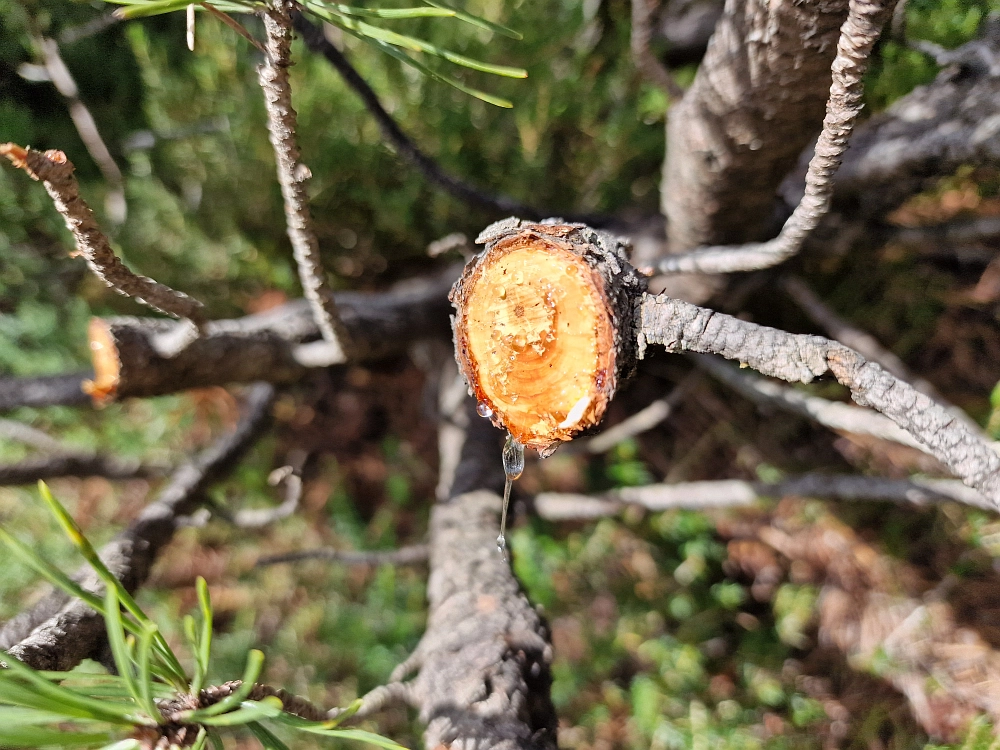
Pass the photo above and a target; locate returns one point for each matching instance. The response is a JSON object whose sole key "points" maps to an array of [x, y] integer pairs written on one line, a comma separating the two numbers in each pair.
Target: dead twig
{"points": [[317, 42], [642, 421], [412, 555], [832, 414], [857, 38], [735, 493], [867, 345], [293, 176], [86, 126], [56, 173]]}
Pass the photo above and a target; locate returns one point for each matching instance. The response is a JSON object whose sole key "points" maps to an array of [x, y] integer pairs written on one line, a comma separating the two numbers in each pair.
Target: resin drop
{"points": [[483, 409], [513, 466]]}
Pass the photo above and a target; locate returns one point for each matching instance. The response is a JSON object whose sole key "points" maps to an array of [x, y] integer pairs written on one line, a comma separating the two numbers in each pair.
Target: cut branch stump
{"points": [[544, 328]]}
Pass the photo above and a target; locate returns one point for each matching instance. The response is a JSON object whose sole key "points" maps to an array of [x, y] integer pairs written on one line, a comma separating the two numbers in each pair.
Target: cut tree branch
{"points": [[57, 633], [679, 326], [265, 346], [44, 390], [56, 173], [857, 38], [293, 176]]}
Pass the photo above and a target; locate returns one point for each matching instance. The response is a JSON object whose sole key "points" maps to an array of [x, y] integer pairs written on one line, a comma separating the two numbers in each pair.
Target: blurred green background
{"points": [[632, 602]]}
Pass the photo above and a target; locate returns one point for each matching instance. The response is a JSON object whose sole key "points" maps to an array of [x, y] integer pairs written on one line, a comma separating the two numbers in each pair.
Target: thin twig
{"points": [[81, 464], [317, 42], [290, 703], [89, 28], [86, 127], [832, 414], [378, 699], [293, 176], [680, 326], [56, 173], [291, 476], [413, 555], [642, 421], [13, 430], [235, 26], [647, 63], [857, 38], [866, 344], [734, 493]]}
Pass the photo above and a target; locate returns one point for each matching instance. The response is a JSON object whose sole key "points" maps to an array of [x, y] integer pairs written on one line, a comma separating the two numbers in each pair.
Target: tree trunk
{"points": [[757, 100]]}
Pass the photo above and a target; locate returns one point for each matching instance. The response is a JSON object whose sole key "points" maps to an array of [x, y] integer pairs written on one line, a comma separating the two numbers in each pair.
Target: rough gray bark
{"points": [[267, 346], [483, 662], [293, 177], [56, 634], [754, 104], [734, 493], [929, 133], [857, 39], [680, 326]]}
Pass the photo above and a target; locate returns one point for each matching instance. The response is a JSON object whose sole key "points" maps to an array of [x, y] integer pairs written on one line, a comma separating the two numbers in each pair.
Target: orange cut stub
{"points": [[536, 335]]}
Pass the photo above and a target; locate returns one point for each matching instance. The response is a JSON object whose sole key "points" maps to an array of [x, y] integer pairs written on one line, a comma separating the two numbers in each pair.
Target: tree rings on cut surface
{"points": [[544, 328]]}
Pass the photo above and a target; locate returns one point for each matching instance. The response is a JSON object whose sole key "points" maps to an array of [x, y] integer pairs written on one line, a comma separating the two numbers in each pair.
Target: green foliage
{"points": [[81, 709], [900, 68], [347, 18]]}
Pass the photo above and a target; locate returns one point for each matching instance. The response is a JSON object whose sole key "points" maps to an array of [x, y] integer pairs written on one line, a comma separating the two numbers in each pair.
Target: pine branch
{"points": [[293, 176], [680, 326]]}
